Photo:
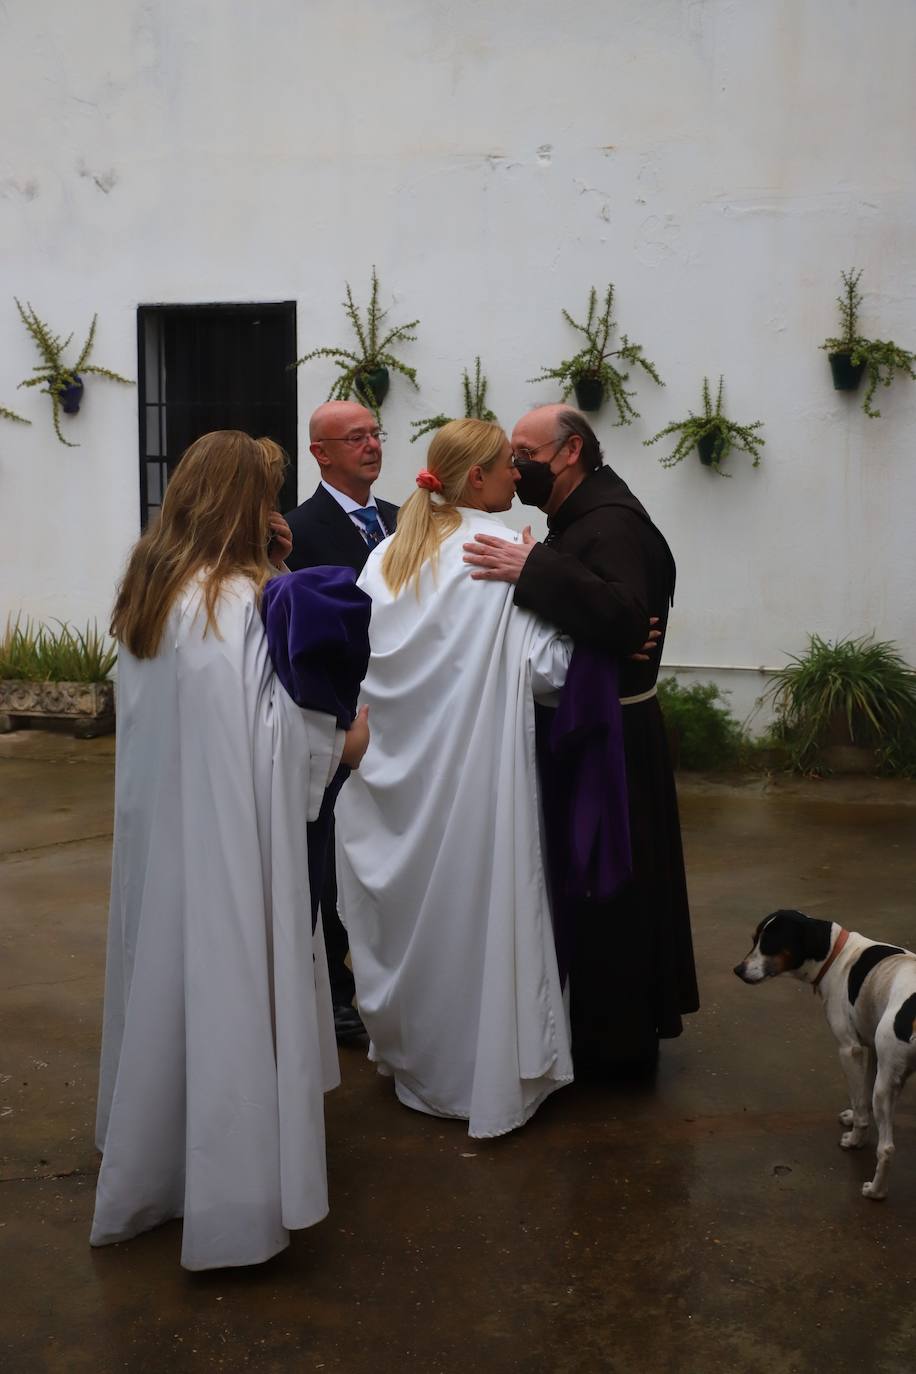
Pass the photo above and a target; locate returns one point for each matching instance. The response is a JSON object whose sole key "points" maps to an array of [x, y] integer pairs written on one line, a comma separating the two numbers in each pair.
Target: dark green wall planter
{"points": [[377, 378], [710, 448], [71, 396], [589, 393], [846, 374]]}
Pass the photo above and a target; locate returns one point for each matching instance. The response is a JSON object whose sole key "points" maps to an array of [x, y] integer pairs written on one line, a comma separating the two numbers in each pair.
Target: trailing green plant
{"points": [[593, 361], [11, 415], [38, 653], [713, 434], [54, 375], [475, 405], [374, 351], [855, 691], [882, 358], [704, 733]]}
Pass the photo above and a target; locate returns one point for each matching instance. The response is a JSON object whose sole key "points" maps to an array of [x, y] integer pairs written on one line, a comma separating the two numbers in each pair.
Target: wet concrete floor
{"points": [[705, 1223]]}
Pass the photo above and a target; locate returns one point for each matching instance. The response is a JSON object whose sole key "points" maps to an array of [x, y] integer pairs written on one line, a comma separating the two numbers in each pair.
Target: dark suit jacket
{"points": [[323, 533]]}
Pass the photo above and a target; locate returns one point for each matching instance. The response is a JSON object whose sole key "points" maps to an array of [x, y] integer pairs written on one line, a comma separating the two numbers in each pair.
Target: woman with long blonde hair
{"points": [[440, 869], [217, 1041]]}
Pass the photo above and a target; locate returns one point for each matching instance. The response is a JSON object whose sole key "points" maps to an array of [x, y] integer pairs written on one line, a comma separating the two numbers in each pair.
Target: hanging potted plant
{"points": [[365, 372], [57, 674], [850, 354], [475, 405], [591, 373], [63, 383], [847, 374], [712, 433]]}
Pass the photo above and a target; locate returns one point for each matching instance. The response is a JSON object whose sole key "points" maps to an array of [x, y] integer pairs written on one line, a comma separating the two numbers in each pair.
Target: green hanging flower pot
{"points": [[375, 381], [597, 372], [713, 435], [846, 374], [589, 393], [711, 448], [851, 354], [364, 371]]}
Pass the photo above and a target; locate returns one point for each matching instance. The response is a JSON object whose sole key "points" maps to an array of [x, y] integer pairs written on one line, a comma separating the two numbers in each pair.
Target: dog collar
{"points": [[840, 942]]}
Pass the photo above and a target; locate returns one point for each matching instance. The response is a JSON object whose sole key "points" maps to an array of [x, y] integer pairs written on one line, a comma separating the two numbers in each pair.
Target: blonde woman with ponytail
{"points": [[215, 1053], [440, 869]]}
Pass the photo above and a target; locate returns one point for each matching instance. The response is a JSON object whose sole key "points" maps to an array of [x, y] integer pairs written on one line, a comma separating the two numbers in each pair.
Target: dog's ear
{"points": [[815, 937]]}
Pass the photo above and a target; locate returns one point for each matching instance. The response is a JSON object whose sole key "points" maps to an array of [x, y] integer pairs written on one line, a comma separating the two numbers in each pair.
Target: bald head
{"points": [[345, 441], [336, 418], [549, 415]]}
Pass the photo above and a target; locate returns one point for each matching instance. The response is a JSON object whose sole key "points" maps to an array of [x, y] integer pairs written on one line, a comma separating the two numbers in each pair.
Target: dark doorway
{"points": [[205, 367]]}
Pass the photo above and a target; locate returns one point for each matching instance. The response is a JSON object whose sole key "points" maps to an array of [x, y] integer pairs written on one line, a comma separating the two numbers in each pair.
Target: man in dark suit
{"points": [[339, 525]]}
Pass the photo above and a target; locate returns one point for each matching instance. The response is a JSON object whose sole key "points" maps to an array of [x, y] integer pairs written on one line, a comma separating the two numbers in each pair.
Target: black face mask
{"points": [[535, 482]]}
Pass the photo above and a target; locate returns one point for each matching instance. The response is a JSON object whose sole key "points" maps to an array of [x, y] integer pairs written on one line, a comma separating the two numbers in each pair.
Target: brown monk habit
{"points": [[602, 571]]}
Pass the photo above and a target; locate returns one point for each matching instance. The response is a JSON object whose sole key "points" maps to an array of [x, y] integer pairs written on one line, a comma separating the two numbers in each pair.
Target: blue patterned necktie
{"points": [[372, 525]]}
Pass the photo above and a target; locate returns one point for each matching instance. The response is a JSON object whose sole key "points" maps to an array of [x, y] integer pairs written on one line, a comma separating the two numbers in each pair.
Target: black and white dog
{"points": [[869, 994]]}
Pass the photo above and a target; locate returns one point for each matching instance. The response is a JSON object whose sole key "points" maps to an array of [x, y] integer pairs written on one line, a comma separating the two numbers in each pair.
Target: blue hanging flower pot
{"points": [[71, 396]]}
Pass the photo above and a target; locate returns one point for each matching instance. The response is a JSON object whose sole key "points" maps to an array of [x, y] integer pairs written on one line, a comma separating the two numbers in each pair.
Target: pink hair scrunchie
{"points": [[428, 480]]}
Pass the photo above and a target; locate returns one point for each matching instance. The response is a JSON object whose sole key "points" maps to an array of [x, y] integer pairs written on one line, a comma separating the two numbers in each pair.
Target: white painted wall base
{"points": [[743, 688]]}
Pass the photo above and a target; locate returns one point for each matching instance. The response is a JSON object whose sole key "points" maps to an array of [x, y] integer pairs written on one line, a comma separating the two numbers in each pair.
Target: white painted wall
{"points": [[720, 162]]}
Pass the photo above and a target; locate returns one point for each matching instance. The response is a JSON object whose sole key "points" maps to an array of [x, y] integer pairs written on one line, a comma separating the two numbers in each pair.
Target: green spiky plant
{"points": [[374, 352], [594, 363], [881, 358], [475, 405], [855, 691], [37, 653], [11, 415], [713, 434], [53, 374]]}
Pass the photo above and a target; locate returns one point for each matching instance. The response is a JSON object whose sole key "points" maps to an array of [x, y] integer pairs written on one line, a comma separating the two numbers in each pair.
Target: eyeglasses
{"points": [[524, 455], [357, 438]]}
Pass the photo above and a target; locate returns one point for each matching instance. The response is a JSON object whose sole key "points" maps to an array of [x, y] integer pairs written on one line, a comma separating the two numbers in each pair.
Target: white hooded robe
{"points": [[440, 869], [218, 1039]]}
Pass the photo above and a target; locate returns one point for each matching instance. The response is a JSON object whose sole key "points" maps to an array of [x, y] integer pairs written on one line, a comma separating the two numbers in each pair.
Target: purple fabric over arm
{"points": [[317, 624], [581, 764], [586, 739]]}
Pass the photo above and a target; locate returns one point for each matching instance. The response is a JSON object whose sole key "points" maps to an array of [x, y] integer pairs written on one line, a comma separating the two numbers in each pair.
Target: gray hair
{"points": [[571, 423]]}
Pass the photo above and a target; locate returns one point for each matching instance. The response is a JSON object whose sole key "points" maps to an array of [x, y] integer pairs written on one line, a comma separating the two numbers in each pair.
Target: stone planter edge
{"points": [[86, 704]]}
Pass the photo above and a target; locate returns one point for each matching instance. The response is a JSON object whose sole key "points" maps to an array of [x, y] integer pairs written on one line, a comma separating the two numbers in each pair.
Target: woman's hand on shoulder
{"points": [[356, 741]]}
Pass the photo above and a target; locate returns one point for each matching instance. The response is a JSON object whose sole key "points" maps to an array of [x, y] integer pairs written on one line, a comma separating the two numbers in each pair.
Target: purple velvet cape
{"points": [[582, 769], [317, 624]]}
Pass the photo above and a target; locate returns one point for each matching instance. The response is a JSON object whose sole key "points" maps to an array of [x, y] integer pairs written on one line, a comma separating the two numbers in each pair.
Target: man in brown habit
{"points": [[602, 573]]}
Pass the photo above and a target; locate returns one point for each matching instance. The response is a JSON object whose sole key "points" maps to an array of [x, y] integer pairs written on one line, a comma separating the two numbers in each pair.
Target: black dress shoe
{"points": [[348, 1024]]}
